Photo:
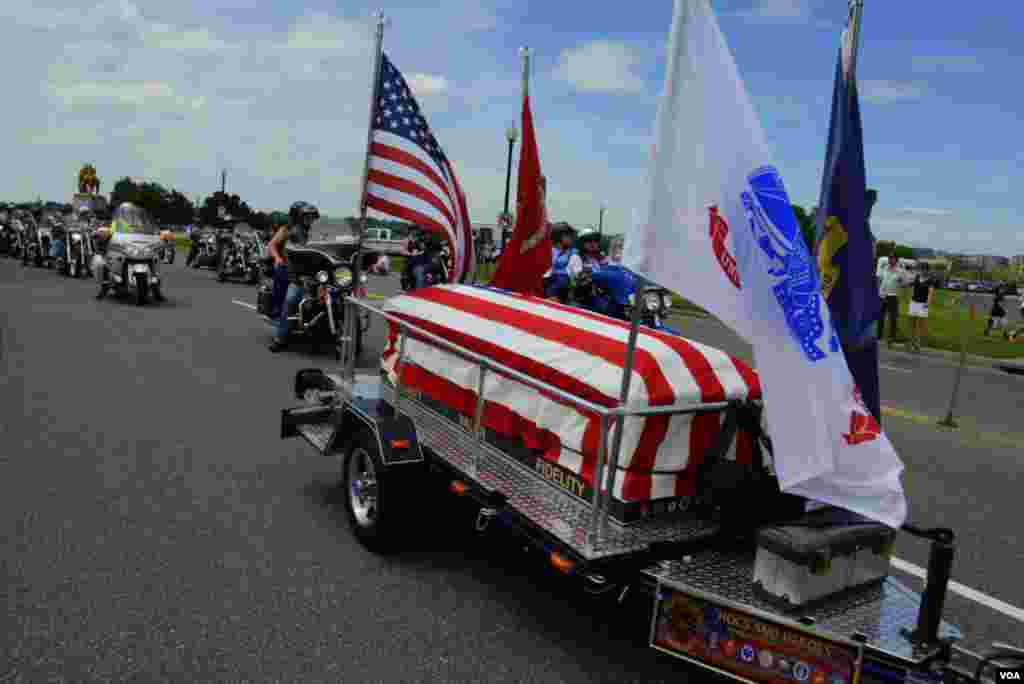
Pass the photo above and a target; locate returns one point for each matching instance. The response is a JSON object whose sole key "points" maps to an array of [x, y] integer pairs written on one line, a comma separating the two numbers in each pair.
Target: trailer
{"points": [[802, 599]]}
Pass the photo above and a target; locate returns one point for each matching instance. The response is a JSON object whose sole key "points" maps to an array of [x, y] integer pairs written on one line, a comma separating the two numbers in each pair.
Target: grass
{"points": [[949, 326]]}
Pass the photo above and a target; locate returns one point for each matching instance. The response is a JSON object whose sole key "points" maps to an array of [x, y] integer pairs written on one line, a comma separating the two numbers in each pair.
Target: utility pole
{"points": [[223, 182]]}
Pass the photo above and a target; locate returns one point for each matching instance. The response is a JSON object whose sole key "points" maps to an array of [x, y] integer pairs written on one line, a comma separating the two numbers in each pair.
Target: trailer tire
{"points": [[376, 499]]}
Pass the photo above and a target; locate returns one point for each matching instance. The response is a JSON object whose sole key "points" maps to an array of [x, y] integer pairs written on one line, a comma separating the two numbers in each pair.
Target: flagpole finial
{"points": [[524, 54]]}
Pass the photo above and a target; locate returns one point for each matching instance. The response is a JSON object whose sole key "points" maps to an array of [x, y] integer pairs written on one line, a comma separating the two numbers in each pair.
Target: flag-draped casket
{"points": [[582, 354]]}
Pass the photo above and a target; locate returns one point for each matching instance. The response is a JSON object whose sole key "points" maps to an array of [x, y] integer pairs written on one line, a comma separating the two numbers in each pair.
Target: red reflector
{"points": [[458, 487], [562, 563], [399, 444]]}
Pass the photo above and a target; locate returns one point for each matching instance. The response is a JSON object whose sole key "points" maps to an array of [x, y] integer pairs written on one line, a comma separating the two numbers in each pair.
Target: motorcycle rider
{"points": [[419, 258], [590, 250], [57, 236], [288, 288], [566, 265]]}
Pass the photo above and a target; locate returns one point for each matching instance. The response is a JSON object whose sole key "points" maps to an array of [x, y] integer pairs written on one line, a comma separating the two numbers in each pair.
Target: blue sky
{"points": [[278, 94]]}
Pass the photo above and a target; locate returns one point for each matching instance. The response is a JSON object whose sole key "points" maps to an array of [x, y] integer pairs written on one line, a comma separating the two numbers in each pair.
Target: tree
{"points": [[807, 228], [209, 213]]}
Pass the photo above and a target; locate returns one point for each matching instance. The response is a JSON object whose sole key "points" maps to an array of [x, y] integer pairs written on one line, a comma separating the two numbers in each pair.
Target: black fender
{"points": [[395, 434]]}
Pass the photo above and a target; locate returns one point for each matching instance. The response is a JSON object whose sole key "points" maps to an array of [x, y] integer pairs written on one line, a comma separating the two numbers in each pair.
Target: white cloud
{"points": [[926, 211], [882, 92], [427, 85], [601, 66], [785, 12]]}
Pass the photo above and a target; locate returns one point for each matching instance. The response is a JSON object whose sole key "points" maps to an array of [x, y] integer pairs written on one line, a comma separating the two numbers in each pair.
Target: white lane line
{"points": [[247, 305], [895, 368], [965, 591]]}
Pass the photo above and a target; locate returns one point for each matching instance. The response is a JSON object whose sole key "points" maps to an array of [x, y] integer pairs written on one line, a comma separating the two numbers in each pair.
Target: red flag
{"points": [[527, 256]]}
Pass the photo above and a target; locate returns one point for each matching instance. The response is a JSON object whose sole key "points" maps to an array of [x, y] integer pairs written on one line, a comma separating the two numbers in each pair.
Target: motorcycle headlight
{"points": [[322, 277], [75, 237], [652, 301], [666, 300], [344, 276]]}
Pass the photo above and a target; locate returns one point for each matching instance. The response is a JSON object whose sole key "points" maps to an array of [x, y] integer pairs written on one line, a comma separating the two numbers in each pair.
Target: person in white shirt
{"points": [[566, 265], [890, 279]]}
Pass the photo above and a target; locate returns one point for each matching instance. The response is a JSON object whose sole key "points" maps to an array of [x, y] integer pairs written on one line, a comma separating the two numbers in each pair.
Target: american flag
{"points": [[409, 176]]}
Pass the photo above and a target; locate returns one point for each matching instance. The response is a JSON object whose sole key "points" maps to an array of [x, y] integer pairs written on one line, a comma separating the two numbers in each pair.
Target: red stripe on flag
{"points": [[402, 157], [710, 385], [410, 188], [612, 351], [750, 377]]}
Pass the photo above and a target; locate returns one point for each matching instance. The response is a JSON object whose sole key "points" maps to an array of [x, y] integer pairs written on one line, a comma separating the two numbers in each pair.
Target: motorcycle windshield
{"points": [[618, 281], [132, 220]]}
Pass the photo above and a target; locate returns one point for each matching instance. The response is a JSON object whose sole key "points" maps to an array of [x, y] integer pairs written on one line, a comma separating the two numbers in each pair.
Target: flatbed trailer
{"points": [[703, 607]]}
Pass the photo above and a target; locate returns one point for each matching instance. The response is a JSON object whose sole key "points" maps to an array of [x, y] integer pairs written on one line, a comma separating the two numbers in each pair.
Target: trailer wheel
{"points": [[374, 497]]}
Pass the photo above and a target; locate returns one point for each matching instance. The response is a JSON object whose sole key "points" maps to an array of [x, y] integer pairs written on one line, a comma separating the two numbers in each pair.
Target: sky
{"points": [[278, 95]]}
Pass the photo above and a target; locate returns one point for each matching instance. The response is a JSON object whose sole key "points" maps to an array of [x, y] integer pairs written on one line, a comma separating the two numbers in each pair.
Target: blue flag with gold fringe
{"points": [[844, 244]]}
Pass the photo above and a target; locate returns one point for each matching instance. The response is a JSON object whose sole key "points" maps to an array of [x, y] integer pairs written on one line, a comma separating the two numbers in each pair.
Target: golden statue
{"points": [[88, 183]]}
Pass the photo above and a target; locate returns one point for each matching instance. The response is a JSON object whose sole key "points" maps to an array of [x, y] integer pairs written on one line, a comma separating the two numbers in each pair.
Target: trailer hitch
{"points": [[940, 569]]}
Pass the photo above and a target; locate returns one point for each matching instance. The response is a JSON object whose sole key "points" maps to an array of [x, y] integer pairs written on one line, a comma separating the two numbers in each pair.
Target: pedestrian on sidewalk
{"points": [[890, 279], [920, 301], [997, 317]]}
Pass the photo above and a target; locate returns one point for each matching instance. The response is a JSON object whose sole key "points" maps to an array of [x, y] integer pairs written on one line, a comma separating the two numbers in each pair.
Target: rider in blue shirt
{"points": [[565, 265]]}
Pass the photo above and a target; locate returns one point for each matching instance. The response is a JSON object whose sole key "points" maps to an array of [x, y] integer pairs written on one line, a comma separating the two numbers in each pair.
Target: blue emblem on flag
{"points": [[796, 287]]}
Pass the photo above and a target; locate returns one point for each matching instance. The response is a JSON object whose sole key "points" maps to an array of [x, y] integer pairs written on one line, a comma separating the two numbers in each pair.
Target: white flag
{"points": [[720, 230]]}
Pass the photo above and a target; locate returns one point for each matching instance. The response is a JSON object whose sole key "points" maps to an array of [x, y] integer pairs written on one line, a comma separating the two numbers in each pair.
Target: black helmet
{"points": [[589, 235], [302, 210], [560, 230]]}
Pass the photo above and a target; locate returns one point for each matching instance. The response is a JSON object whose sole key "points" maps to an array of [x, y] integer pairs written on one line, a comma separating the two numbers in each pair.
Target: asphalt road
{"points": [[154, 528]]}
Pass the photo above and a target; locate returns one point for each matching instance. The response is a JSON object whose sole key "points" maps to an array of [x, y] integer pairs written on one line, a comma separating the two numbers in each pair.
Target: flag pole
{"points": [[351, 326], [856, 14]]}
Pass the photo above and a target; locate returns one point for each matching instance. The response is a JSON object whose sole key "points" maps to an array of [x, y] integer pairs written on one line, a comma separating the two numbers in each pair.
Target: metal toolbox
{"points": [[825, 552]]}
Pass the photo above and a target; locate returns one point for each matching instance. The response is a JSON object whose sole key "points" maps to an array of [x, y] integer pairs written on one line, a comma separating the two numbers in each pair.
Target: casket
{"points": [[582, 354]]}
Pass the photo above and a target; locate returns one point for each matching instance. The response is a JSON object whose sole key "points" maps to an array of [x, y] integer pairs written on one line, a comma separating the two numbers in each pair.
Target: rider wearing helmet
{"points": [[287, 287], [590, 249], [57, 235], [565, 264]]}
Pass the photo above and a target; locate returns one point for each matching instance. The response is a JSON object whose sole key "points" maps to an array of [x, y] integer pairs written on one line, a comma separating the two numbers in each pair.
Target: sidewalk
{"points": [[951, 358]]}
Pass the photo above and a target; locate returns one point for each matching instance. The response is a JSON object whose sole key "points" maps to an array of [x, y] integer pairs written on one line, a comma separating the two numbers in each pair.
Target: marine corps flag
{"points": [[718, 227], [844, 249], [527, 256]]}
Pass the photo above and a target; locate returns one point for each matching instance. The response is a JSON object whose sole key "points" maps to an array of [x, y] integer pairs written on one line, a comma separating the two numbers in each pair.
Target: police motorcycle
{"points": [[428, 251], [130, 256], [243, 257], [327, 274]]}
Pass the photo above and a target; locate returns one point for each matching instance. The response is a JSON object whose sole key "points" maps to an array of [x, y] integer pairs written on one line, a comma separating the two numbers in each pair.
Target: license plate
{"points": [[140, 268]]}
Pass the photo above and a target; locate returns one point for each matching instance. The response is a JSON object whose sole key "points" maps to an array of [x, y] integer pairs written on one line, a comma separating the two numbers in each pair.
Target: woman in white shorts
{"points": [[920, 298]]}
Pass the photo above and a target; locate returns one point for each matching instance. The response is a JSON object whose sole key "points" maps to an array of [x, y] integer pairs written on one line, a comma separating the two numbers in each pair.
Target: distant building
{"points": [[985, 262], [1017, 261]]}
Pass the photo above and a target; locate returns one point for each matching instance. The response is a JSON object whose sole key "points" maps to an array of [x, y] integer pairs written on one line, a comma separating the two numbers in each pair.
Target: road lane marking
{"points": [[965, 591], [247, 305], [895, 368]]}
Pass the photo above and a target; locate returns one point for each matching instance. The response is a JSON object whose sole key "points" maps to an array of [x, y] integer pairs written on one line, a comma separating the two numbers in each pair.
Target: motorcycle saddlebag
{"points": [[825, 552], [264, 299]]}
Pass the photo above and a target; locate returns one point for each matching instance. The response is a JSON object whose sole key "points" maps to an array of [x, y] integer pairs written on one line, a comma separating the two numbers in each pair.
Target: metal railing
{"points": [[607, 463]]}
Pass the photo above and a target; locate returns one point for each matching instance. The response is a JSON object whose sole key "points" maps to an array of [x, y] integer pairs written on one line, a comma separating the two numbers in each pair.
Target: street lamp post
{"points": [[510, 134], [600, 219]]}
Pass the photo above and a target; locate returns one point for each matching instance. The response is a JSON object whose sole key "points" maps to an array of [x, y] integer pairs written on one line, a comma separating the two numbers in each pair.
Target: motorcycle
{"points": [[612, 290], [168, 247], [130, 262], [436, 261], [35, 246], [242, 258], [326, 269], [8, 236], [208, 245], [77, 253]]}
